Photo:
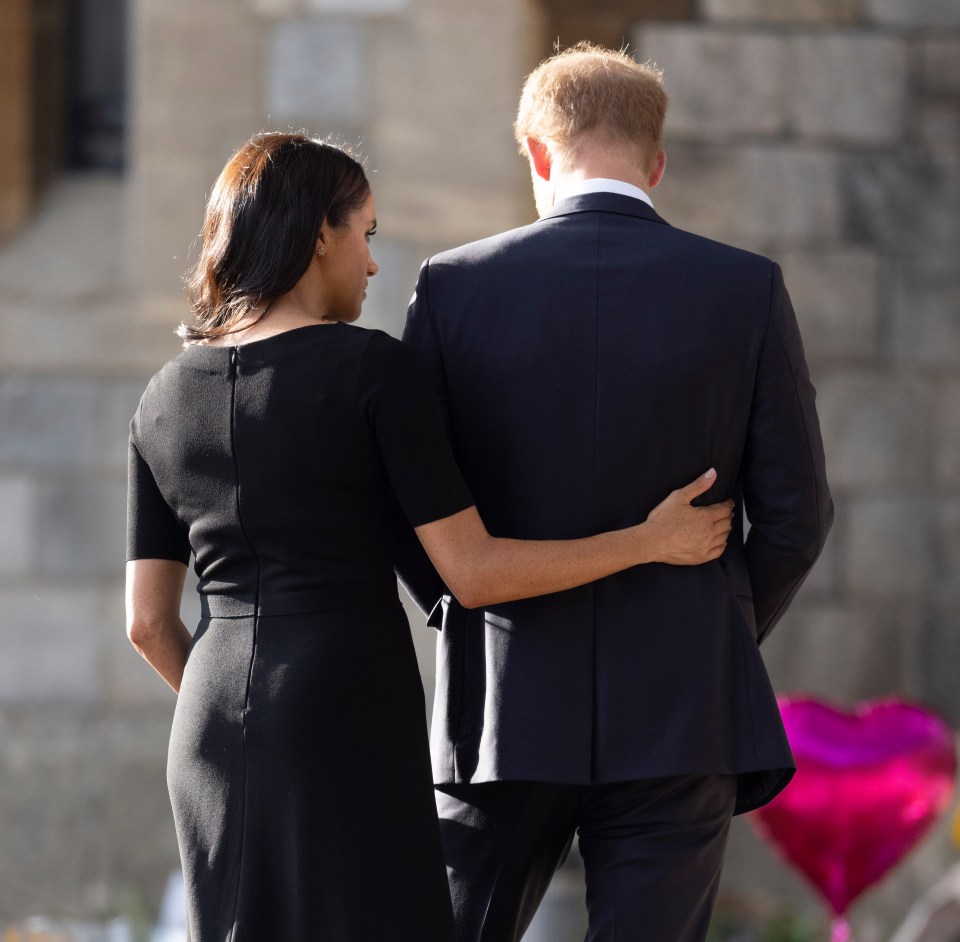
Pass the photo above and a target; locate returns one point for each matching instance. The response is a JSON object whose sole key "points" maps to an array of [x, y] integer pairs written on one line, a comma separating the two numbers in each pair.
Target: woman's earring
{"points": [[320, 251]]}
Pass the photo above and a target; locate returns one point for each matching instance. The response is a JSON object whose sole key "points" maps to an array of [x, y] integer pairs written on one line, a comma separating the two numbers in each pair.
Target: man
{"points": [[588, 364]]}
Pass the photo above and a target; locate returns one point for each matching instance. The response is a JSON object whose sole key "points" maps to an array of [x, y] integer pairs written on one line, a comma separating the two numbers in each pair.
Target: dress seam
{"points": [[595, 508], [234, 371]]}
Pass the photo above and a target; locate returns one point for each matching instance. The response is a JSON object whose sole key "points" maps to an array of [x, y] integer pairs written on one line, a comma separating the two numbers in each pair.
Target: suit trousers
{"points": [[652, 853]]}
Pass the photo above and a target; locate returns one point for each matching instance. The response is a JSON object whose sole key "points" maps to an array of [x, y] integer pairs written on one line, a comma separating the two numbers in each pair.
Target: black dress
{"points": [[298, 767]]}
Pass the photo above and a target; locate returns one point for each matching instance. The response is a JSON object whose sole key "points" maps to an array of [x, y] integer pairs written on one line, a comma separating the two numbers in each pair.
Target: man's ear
{"points": [[540, 159], [656, 171]]}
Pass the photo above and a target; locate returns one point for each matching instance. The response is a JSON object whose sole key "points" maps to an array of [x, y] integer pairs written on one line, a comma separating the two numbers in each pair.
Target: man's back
{"points": [[589, 364]]}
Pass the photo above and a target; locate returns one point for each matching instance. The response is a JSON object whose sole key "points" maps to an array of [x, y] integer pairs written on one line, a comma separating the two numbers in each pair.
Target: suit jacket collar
{"points": [[604, 203]]}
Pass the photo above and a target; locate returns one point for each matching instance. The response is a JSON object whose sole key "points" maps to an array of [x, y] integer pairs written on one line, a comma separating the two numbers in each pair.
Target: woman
{"points": [[277, 447]]}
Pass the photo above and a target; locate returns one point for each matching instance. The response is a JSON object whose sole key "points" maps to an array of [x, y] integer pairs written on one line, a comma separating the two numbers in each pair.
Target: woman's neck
{"points": [[266, 320]]}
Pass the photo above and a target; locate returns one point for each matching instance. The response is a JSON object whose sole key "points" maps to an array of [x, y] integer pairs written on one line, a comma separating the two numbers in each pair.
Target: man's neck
{"points": [[555, 175], [624, 172], [568, 185]]}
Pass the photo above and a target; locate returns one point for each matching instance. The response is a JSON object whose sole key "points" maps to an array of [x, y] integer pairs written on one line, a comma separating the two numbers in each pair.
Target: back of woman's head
{"points": [[262, 222]]}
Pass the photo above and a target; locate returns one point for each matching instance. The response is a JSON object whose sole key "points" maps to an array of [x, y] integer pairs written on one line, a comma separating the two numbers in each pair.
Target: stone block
{"points": [[848, 87], [814, 12], [51, 645], [940, 66], [113, 337], [118, 402], [448, 167], [438, 215], [278, 7], [358, 7], [889, 551], [47, 422], [835, 296], [318, 71], [872, 431], [721, 84], [945, 588], [700, 189], [763, 198], [17, 533], [925, 300], [73, 248], [823, 581], [199, 93], [87, 822], [389, 293], [935, 124], [946, 436], [169, 211], [914, 14], [82, 526], [843, 652], [939, 655], [904, 201], [177, 92], [787, 194]]}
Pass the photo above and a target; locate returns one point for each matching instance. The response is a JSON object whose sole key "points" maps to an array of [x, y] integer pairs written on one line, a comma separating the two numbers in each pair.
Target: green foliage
{"points": [[783, 926], [787, 926]]}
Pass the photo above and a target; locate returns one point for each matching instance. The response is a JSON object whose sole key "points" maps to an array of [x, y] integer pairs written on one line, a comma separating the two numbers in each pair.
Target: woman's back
{"points": [[300, 719], [279, 459]]}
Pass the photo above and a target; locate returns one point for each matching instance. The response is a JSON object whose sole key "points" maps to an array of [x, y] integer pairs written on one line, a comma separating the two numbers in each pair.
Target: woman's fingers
{"points": [[722, 511], [695, 488]]}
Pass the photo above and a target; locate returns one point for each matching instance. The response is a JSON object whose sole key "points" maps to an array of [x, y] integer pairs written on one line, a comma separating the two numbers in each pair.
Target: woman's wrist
{"points": [[644, 544]]}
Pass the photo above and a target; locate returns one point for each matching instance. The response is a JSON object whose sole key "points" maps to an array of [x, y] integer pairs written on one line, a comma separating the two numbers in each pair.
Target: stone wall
{"points": [[83, 721], [827, 135]]}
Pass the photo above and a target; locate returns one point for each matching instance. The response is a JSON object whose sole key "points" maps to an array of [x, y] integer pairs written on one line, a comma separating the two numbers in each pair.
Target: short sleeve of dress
{"points": [[153, 531], [397, 400]]}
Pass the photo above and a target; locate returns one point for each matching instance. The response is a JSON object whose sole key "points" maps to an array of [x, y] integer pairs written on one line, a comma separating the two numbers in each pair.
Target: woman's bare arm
{"points": [[483, 570], [154, 589]]}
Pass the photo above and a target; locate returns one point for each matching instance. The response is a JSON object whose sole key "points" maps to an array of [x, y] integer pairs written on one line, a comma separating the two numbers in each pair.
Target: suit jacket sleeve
{"points": [[411, 563], [785, 488]]}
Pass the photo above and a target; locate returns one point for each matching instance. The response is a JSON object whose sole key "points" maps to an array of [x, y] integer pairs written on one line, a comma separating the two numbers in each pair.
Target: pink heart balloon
{"points": [[868, 785]]}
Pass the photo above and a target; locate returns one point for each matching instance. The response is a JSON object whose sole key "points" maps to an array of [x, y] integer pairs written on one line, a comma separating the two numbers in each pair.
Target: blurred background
{"points": [[825, 133]]}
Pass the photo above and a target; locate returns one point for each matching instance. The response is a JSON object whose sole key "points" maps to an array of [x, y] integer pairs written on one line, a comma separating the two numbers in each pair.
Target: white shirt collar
{"points": [[601, 185]]}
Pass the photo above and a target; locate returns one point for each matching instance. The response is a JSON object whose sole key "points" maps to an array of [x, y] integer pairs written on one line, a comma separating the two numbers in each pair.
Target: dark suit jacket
{"points": [[587, 365]]}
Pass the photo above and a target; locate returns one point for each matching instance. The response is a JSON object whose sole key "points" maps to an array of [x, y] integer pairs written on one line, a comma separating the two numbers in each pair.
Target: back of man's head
{"points": [[591, 95]]}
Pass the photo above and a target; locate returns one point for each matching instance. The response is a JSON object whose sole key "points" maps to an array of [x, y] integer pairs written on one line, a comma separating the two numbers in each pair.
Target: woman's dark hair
{"points": [[262, 223]]}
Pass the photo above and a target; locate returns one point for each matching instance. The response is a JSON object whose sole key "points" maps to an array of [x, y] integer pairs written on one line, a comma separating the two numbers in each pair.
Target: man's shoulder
{"points": [[488, 248], [716, 253], [671, 239]]}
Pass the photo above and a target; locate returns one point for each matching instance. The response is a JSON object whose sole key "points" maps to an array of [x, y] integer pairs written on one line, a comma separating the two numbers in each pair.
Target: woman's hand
{"points": [[482, 570], [684, 535]]}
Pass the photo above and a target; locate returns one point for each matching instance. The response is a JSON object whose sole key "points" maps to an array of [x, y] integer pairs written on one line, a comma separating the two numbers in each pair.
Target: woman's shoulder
{"points": [[167, 380], [353, 346], [383, 354]]}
